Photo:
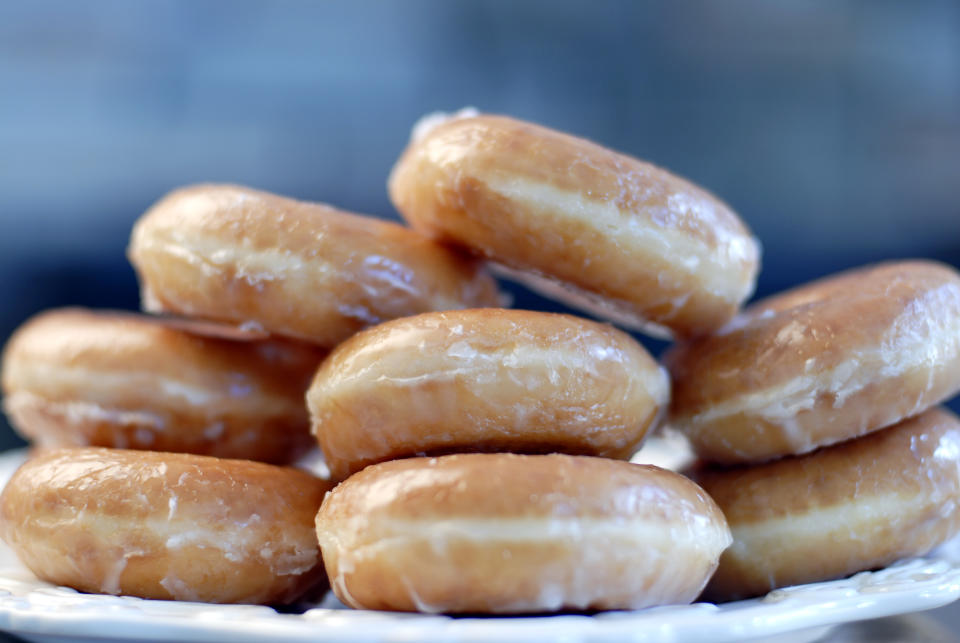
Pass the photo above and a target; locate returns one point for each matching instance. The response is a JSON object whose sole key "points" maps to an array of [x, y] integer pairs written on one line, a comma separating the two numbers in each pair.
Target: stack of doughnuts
{"points": [[478, 456], [818, 409], [476, 516], [160, 495]]}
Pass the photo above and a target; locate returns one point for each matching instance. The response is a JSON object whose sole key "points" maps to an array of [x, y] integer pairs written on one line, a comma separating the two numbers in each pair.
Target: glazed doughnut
{"points": [[820, 364], [73, 377], [303, 270], [505, 533], [165, 525], [484, 380], [603, 231], [855, 506]]}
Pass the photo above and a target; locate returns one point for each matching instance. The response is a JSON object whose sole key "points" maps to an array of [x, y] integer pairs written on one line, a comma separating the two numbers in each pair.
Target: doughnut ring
{"points": [[165, 525], [73, 377], [484, 380], [505, 533], [820, 364], [855, 506], [602, 231], [302, 270]]}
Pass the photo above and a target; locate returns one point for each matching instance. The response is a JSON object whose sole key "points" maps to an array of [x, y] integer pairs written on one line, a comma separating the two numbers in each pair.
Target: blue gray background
{"points": [[833, 127]]}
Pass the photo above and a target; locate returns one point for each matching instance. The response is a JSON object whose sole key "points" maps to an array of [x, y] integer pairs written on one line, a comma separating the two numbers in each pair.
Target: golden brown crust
{"points": [[823, 363], [623, 233], [165, 525], [73, 377], [303, 270], [854, 506], [484, 380], [506, 533]]}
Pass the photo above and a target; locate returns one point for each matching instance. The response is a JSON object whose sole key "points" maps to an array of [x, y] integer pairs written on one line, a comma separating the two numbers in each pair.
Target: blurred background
{"points": [[833, 128]]}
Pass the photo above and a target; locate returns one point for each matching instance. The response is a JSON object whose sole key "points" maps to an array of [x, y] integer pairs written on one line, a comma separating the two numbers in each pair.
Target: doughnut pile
{"points": [[818, 409], [157, 437], [478, 456]]}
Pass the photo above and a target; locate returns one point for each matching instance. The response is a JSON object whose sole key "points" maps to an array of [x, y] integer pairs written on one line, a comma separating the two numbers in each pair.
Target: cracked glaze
{"points": [[854, 506], [73, 377], [484, 380], [292, 268], [165, 525], [506, 533], [657, 250], [823, 363]]}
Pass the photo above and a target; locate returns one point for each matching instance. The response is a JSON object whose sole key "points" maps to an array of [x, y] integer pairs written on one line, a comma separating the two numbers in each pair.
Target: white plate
{"points": [[42, 612]]}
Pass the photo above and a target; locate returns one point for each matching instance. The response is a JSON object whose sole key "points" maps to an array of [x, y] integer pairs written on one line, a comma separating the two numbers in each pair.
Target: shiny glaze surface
{"points": [[484, 380], [303, 270], [74, 377], [619, 233], [851, 507], [506, 533], [823, 363], [165, 525]]}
